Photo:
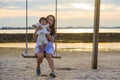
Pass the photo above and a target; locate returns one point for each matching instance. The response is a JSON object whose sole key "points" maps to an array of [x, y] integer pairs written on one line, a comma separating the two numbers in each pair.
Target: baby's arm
{"points": [[35, 35], [34, 26], [38, 28]]}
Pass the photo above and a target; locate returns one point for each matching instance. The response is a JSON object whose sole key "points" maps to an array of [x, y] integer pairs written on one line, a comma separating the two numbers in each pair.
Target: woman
{"points": [[49, 50]]}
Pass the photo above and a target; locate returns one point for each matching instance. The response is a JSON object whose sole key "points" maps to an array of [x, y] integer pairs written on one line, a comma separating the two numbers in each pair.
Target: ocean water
{"points": [[65, 31]]}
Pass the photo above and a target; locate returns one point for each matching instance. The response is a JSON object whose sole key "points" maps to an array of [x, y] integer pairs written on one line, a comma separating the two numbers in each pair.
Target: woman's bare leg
{"points": [[40, 57], [50, 62]]}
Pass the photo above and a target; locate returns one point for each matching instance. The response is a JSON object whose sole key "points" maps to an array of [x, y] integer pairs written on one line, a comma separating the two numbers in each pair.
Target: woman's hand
{"points": [[50, 38]]}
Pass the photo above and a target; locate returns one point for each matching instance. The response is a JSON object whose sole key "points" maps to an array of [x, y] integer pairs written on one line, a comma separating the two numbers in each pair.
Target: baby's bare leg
{"points": [[44, 46]]}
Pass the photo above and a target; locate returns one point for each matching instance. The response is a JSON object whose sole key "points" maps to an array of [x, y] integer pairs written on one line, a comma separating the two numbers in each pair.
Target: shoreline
{"points": [[103, 46]]}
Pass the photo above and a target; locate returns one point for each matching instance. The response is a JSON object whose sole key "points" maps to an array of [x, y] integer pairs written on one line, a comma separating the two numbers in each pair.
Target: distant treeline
{"points": [[4, 28], [67, 27]]}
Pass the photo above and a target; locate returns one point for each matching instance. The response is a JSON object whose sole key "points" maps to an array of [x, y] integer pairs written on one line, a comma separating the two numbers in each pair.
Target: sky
{"points": [[70, 12]]}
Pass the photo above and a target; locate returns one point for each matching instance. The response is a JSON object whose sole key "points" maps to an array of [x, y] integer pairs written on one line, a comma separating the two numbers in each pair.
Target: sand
{"points": [[74, 65]]}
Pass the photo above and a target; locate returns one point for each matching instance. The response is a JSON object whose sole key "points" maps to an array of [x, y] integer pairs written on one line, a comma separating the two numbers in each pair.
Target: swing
{"points": [[26, 54]]}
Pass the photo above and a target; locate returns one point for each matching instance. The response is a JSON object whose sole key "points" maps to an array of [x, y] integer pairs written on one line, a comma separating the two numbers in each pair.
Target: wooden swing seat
{"points": [[33, 56]]}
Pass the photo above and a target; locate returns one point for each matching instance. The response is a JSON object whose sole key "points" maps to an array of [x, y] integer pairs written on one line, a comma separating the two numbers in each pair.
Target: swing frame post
{"points": [[55, 52], [96, 34], [26, 51]]}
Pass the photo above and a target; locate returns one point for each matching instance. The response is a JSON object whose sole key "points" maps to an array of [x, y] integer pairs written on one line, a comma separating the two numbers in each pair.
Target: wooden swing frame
{"points": [[95, 35]]}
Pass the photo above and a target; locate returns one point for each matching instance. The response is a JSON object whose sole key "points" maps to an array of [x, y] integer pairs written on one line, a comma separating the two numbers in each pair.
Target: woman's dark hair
{"points": [[52, 27]]}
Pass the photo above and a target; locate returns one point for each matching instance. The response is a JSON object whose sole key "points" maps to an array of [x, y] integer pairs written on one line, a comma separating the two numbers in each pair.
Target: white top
{"points": [[38, 24], [44, 28]]}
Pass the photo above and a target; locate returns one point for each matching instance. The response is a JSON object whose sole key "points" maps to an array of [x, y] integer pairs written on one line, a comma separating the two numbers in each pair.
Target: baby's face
{"points": [[43, 22]]}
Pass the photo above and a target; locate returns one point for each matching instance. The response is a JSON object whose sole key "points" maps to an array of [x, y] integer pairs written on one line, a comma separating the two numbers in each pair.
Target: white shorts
{"points": [[42, 39]]}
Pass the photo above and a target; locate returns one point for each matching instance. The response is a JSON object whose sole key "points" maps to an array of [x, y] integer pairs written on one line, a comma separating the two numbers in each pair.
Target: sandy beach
{"points": [[74, 65]]}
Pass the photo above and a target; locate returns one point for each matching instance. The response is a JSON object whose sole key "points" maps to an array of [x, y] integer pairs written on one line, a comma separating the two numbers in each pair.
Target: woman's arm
{"points": [[48, 29]]}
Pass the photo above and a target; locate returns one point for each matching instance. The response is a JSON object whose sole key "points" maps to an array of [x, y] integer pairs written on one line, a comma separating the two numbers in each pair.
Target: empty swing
{"points": [[26, 54]]}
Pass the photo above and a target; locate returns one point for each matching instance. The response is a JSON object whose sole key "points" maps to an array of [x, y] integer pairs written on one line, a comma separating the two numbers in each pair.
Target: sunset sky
{"points": [[70, 12]]}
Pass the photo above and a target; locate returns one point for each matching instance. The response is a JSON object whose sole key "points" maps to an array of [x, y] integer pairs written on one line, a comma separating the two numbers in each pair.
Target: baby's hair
{"points": [[42, 18]]}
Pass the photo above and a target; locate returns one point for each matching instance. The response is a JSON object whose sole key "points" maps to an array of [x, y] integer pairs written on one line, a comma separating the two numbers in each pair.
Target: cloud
{"points": [[65, 11], [75, 1], [11, 13], [82, 6], [114, 2], [75, 14], [11, 7], [2, 3], [109, 7], [7, 1], [45, 8], [110, 15], [17, 13]]}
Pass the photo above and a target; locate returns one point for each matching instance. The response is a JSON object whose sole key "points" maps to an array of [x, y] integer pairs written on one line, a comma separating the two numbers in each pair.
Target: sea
{"points": [[62, 31]]}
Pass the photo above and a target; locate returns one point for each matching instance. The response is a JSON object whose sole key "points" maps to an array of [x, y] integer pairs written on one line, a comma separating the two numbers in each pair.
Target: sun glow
{"points": [[82, 6]]}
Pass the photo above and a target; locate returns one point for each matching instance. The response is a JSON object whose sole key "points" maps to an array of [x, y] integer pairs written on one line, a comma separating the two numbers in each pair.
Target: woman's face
{"points": [[50, 20]]}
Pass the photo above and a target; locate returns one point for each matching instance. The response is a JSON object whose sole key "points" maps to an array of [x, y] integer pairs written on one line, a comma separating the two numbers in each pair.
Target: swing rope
{"points": [[26, 55]]}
